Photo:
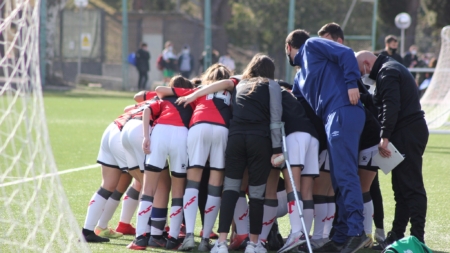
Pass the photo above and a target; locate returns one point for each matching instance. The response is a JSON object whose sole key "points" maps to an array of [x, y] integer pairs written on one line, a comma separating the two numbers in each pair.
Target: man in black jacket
{"points": [[391, 45], [142, 65], [404, 125]]}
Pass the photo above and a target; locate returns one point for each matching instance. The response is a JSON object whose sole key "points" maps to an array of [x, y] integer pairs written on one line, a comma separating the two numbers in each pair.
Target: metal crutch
{"points": [[288, 167]]}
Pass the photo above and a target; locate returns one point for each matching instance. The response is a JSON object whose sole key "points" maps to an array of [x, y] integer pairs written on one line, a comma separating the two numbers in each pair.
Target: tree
{"points": [[261, 25], [387, 10], [437, 12], [54, 8]]}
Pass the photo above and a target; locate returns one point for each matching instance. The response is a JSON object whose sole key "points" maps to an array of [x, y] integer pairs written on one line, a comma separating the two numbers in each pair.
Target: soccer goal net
{"points": [[34, 212], [436, 100]]}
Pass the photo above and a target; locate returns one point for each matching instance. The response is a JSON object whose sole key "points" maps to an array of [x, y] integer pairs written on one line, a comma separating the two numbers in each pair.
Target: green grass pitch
{"points": [[76, 120]]}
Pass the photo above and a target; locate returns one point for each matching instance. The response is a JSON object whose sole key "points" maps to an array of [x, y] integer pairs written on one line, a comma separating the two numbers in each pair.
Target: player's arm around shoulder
{"points": [[164, 91], [145, 126], [139, 97], [226, 84]]}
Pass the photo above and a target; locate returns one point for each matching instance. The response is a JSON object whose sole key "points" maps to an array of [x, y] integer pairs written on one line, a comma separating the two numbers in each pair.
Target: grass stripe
{"points": [[24, 180]]}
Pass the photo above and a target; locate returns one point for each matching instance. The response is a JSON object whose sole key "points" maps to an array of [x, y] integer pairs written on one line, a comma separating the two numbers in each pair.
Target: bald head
{"points": [[365, 59]]}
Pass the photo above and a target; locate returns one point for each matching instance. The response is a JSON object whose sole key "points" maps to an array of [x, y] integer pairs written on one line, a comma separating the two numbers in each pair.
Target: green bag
{"points": [[408, 244]]}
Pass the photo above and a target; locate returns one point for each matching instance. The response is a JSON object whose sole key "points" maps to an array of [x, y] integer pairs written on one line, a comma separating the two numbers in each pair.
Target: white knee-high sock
{"points": [[176, 217], [95, 208], [368, 212], [211, 209], [330, 216], [308, 214], [110, 208], [294, 215], [270, 215], [144, 213], [190, 205], [320, 215], [241, 215], [129, 205]]}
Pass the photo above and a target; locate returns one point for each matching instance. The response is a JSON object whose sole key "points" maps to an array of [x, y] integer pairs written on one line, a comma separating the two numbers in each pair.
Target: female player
{"points": [[132, 136], [124, 122], [254, 141], [113, 162], [303, 148], [207, 137], [168, 139], [111, 205]]}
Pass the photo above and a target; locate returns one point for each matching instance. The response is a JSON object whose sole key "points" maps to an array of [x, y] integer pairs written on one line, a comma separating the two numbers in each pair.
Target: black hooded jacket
{"points": [[396, 95]]}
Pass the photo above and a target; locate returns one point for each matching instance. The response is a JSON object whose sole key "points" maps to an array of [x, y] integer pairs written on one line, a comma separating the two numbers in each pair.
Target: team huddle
{"points": [[221, 137]]}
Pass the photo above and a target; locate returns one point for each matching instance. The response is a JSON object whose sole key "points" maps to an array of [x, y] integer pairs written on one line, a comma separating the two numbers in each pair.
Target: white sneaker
{"points": [[188, 243], [293, 240], [260, 248], [255, 247], [220, 247]]}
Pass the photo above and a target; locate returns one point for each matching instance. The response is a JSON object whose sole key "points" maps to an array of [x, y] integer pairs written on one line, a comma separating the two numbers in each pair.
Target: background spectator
{"points": [[391, 44], [170, 59], [214, 59], [411, 60], [186, 62], [227, 61], [424, 85], [142, 65]]}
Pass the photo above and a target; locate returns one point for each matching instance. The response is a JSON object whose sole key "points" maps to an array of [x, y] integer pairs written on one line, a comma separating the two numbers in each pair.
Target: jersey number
{"points": [[223, 94]]}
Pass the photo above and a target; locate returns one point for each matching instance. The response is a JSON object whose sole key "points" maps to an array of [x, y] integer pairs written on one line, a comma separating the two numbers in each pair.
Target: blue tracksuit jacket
{"points": [[321, 80]]}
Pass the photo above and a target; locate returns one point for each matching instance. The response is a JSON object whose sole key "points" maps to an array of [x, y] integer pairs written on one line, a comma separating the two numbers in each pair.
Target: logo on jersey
{"points": [[244, 215], [209, 209], [267, 223], [190, 202], [176, 213], [91, 202], [335, 133], [146, 210], [223, 94], [125, 198]]}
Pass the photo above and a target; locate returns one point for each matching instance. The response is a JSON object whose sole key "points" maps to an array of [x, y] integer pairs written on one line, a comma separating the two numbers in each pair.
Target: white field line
{"points": [[24, 180]]}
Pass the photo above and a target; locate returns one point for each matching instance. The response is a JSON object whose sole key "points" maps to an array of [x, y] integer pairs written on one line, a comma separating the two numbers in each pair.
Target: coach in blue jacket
{"points": [[327, 79]]}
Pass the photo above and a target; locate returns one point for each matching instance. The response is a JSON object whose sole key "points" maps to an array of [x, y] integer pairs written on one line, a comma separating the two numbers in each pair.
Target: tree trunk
{"points": [[53, 10], [410, 34]]}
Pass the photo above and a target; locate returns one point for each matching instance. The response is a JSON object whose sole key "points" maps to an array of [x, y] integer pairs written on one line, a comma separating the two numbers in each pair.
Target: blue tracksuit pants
{"points": [[343, 128]]}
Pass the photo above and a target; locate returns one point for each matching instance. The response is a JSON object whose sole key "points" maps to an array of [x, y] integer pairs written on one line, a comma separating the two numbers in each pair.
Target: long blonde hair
{"points": [[215, 73]]}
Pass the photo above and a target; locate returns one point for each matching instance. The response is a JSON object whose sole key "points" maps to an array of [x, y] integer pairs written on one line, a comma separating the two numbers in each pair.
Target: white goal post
{"points": [[34, 212], [436, 100]]}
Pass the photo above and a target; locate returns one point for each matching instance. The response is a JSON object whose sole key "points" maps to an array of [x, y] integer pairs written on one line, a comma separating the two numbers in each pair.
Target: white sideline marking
{"points": [[24, 180]]}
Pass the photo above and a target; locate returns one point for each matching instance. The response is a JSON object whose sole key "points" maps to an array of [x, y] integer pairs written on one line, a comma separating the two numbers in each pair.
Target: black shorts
{"points": [[248, 151]]}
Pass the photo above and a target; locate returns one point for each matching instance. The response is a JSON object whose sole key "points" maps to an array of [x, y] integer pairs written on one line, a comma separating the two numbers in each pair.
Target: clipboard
{"points": [[388, 164]]}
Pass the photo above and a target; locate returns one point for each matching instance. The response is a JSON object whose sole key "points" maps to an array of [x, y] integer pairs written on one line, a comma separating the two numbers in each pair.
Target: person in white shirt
{"points": [[170, 60], [185, 62], [227, 61]]}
